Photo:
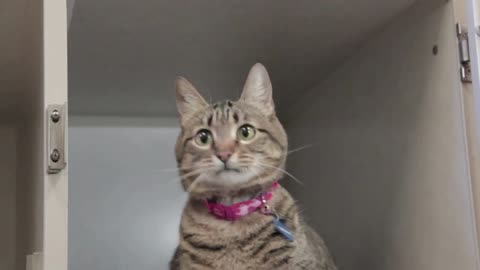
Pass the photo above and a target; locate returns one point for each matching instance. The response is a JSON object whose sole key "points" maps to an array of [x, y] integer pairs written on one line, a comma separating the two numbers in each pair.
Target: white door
{"points": [[472, 19], [55, 208], [469, 15]]}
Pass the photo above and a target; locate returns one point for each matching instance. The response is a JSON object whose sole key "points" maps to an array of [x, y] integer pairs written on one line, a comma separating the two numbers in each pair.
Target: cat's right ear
{"points": [[189, 101], [258, 90]]}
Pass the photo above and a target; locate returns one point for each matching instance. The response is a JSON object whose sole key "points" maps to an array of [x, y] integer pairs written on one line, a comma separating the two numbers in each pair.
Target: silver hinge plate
{"points": [[56, 119], [464, 53]]}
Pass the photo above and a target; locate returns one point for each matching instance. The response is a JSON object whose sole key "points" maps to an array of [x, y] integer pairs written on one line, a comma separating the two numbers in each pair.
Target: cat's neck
{"points": [[206, 211], [232, 196], [229, 200]]}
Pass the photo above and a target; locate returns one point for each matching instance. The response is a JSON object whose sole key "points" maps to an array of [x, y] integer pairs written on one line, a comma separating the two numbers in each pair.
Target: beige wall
{"points": [[387, 181]]}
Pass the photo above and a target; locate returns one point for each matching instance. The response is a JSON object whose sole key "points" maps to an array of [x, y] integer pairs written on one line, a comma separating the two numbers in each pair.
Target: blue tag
{"points": [[281, 228]]}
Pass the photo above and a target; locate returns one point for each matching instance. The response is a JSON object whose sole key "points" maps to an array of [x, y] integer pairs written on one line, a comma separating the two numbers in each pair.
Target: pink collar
{"points": [[241, 209]]}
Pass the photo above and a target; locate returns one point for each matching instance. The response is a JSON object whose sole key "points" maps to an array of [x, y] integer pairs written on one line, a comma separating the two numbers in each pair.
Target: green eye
{"points": [[246, 133], [203, 137]]}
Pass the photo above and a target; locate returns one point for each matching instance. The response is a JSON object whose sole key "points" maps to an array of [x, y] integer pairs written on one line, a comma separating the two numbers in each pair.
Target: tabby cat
{"points": [[231, 154]]}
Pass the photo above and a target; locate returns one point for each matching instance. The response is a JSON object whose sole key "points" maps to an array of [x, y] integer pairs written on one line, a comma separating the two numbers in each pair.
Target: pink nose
{"points": [[224, 155]]}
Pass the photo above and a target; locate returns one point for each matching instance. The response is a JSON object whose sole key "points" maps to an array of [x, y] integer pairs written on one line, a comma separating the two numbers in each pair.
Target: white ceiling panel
{"points": [[124, 55]]}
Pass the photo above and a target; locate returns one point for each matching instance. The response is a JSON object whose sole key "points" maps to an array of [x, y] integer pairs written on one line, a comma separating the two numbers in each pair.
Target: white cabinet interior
{"points": [[372, 85], [379, 98]]}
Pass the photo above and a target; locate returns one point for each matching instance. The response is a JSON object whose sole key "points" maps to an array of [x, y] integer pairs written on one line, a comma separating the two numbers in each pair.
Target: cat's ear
{"points": [[257, 91], [189, 101]]}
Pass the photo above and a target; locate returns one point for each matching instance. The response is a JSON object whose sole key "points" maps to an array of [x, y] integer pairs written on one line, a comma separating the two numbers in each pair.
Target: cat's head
{"points": [[230, 144]]}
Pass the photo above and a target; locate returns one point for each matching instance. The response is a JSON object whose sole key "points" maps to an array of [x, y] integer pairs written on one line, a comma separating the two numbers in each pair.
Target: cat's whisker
{"points": [[193, 185], [248, 158], [282, 170], [198, 170], [183, 177], [176, 168], [246, 161], [256, 173], [246, 164], [177, 177], [300, 148], [201, 166], [169, 169]]}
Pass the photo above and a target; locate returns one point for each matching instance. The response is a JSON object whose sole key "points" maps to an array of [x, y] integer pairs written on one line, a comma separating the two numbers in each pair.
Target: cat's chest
{"points": [[252, 242], [252, 230], [260, 256], [259, 247]]}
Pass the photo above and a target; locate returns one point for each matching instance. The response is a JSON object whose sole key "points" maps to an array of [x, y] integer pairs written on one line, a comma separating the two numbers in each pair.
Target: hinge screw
{"points": [[55, 116], [55, 155]]}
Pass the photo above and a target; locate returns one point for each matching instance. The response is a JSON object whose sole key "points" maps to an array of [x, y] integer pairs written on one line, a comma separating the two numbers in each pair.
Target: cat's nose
{"points": [[224, 155]]}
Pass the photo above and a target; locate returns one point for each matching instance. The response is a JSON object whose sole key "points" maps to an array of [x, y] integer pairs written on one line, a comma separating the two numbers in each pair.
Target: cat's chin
{"points": [[231, 177], [228, 179], [228, 170]]}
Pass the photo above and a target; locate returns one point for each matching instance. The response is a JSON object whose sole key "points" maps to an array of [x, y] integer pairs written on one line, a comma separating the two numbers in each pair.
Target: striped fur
{"points": [[251, 242]]}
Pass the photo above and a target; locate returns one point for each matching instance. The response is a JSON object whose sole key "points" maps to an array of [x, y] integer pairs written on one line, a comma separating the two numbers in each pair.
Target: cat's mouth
{"points": [[227, 169]]}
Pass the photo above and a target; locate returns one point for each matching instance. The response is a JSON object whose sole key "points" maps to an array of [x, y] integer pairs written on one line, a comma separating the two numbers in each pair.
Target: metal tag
{"points": [[56, 119], [282, 229]]}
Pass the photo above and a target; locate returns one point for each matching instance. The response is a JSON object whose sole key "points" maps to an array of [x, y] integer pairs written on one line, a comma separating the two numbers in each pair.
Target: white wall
{"points": [[124, 207], [7, 197], [387, 181]]}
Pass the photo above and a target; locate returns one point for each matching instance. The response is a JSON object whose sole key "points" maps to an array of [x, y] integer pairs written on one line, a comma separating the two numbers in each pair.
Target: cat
{"points": [[230, 155]]}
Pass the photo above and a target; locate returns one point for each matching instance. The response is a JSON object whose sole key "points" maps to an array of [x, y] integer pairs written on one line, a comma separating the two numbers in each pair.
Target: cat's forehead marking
{"points": [[209, 121], [235, 117], [221, 113]]}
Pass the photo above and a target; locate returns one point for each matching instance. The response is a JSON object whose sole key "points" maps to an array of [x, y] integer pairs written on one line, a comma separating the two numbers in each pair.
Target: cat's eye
{"points": [[203, 137], [246, 133]]}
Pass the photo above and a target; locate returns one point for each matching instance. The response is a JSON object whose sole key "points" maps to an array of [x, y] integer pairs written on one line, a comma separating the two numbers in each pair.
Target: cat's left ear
{"points": [[257, 91], [189, 101]]}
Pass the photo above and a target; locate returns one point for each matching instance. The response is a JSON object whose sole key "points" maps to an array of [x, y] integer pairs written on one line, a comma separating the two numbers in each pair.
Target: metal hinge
{"points": [[464, 51], [56, 119]]}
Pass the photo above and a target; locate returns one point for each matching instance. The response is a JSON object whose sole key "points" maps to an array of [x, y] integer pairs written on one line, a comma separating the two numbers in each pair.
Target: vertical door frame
{"points": [[472, 20], [55, 76], [467, 13]]}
